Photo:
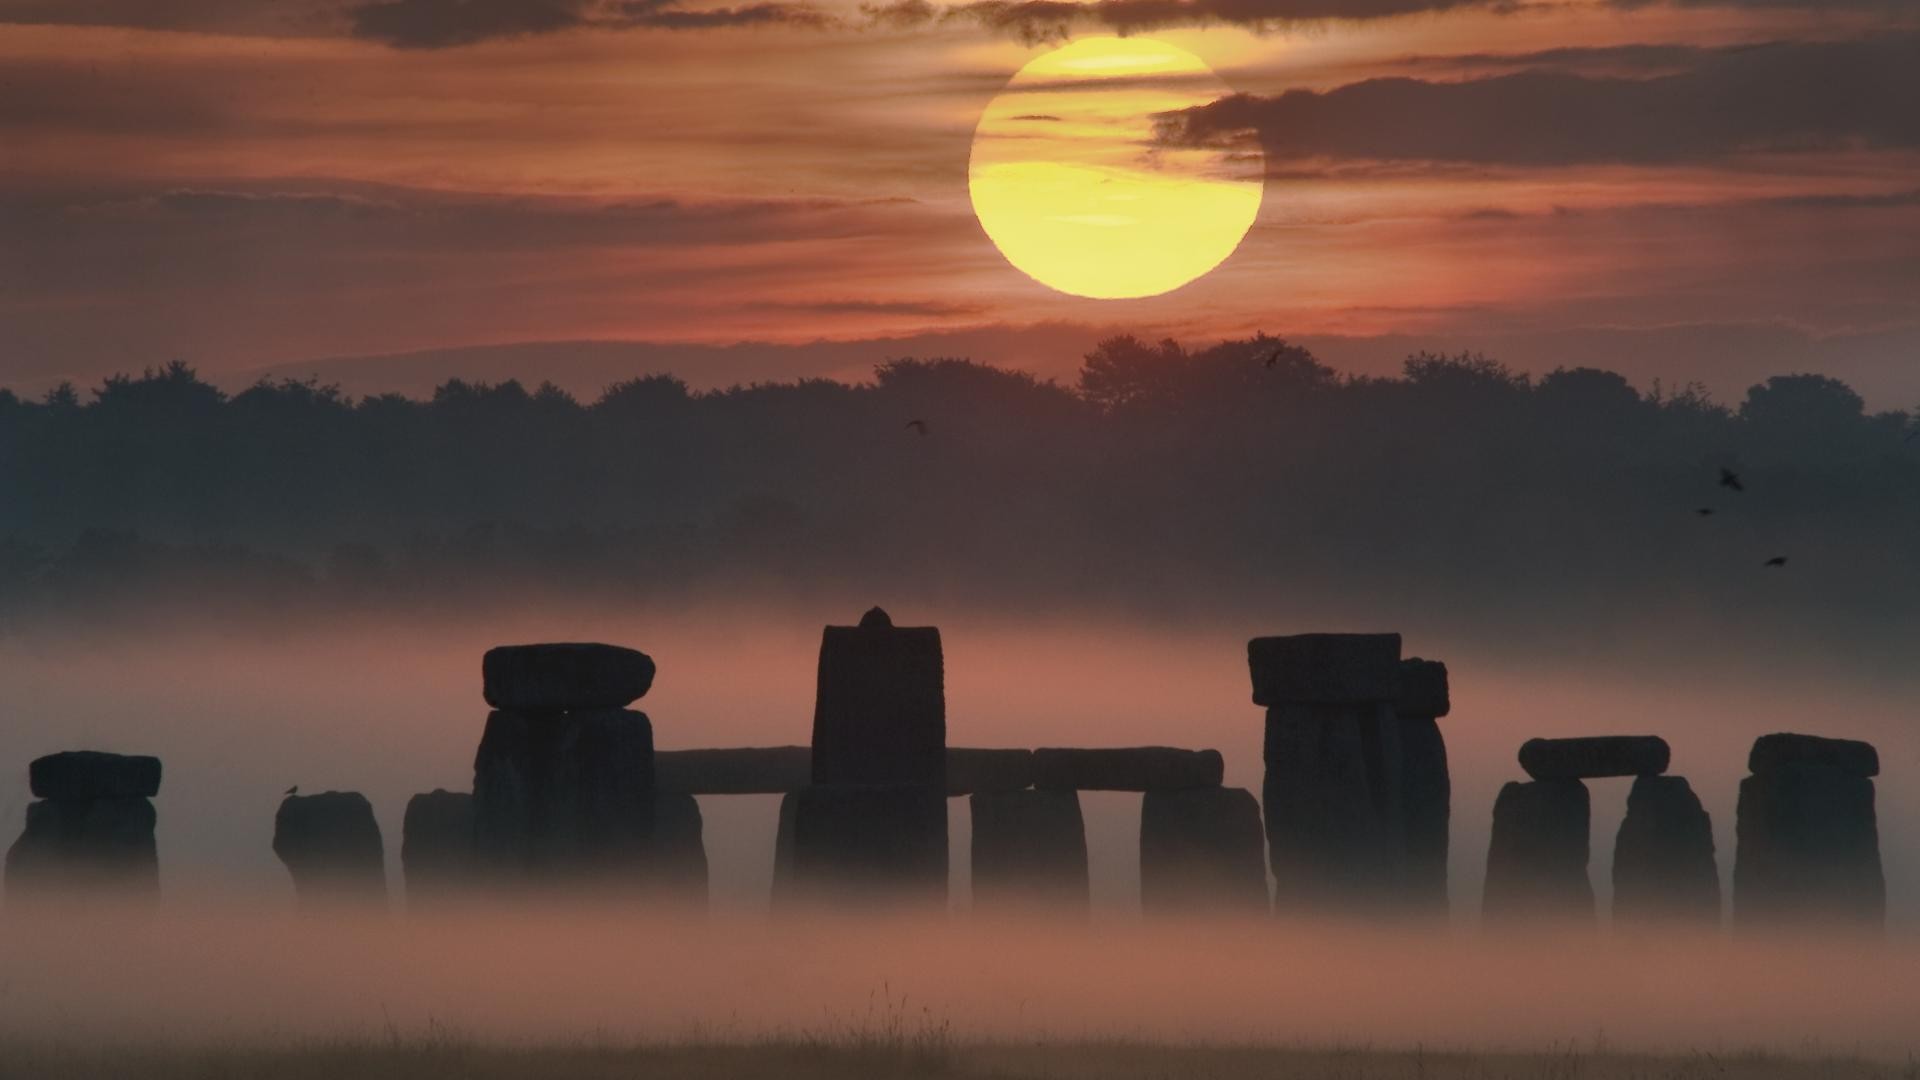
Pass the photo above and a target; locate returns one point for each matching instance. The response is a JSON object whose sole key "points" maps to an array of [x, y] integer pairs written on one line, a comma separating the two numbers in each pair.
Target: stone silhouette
{"points": [[1807, 846], [564, 676], [1334, 824], [679, 852], [1663, 864], [757, 770], [974, 770], [860, 843], [1029, 849], [1595, 756], [331, 846], [1537, 857], [880, 714], [1426, 787], [91, 832], [1201, 852], [437, 846], [1139, 768], [568, 795]]}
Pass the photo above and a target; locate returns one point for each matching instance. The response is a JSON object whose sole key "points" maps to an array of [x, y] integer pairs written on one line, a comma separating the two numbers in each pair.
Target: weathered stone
{"points": [[564, 676], [1663, 865], [1134, 768], [1423, 689], [1426, 809], [1807, 849], [437, 845], [92, 774], [870, 842], [971, 771], [93, 845], [1537, 858], [1595, 756], [783, 891], [330, 843], [1334, 824], [1850, 756], [679, 860], [1029, 848], [756, 770], [880, 714], [1201, 852], [569, 794], [1324, 668]]}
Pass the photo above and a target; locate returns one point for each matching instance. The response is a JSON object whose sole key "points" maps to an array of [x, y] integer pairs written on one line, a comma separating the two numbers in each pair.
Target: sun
{"points": [[1070, 185]]}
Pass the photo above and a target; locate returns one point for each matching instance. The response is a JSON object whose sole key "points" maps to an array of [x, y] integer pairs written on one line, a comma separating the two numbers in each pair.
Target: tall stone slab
{"points": [[1426, 786], [1201, 852], [1807, 851], [856, 844], [880, 711], [679, 856], [437, 847], [91, 834], [566, 796], [331, 846], [1332, 795], [1663, 863], [1537, 856], [1029, 850]]}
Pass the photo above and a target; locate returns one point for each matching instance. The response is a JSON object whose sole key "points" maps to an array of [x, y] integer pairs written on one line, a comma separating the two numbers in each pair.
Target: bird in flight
{"points": [[1731, 479], [1705, 511], [294, 790], [918, 425], [1777, 560]]}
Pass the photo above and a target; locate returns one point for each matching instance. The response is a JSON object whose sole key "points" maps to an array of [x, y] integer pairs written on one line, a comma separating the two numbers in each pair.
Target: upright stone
{"points": [[859, 843], [91, 833], [783, 890], [679, 858], [437, 846], [330, 844], [880, 715], [1663, 865], [569, 795], [1807, 847], [1029, 850], [1537, 858], [1201, 852], [1332, 796], [1426, 787]]}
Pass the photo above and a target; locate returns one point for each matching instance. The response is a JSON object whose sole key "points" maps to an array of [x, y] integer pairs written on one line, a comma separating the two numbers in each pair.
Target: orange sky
{"points": [[245, 184]]}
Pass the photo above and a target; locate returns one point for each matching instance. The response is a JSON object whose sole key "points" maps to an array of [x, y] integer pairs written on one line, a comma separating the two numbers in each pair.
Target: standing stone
{"points": [[1332, 796], [679, 858], [1807, 846], [1426, 787], [91, 832], [880, 714], [1663, 865], [1029, 849], [330, 844], [437, 846], [783, 893], [1537, 858], [568, 795], [1201, 852], [1136, 768], [855, 843]]}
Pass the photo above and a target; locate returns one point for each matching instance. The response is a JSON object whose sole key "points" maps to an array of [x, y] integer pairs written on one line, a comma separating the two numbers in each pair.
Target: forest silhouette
{"points": [[1166, 479]]}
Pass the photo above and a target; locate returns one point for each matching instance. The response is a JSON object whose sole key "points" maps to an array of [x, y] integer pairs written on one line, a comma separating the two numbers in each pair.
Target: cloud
{"points": [[1776, 97], [1050, 20], [439, 24]]}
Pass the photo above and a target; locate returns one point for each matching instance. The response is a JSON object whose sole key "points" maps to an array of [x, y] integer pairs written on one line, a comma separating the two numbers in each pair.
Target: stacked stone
{"points": [[1334, 786], [1537, 856], [331, 846], [872, 824], [563, 784], [91, 830], [1426, 787], [1807, 842]]}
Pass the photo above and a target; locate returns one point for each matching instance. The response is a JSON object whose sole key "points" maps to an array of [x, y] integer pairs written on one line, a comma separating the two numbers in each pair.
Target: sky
{"points": [[1691, 189]]}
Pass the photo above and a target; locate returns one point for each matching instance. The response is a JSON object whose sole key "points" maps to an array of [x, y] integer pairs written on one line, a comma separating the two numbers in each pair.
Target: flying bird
{"points": [[1731, 479], [294, 790], [1273, 358], [1777, 560], [1705, 511], [918, 425]]}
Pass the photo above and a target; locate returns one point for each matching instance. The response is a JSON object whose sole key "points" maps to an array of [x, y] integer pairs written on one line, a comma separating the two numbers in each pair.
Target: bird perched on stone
{"points": [[294, 790], [1731, 479], [1777, 560], [918, 425]]}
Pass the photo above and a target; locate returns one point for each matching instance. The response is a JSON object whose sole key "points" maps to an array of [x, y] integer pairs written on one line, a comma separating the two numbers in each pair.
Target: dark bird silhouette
{"points": [[1731, 479], [918, 425], [1705, 511], [1777, 560], [294, 790], [1273, 358]]}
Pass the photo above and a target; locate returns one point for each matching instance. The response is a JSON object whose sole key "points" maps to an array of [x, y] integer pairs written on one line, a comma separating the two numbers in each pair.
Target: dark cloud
{"points": [[257, 17], [439, 24], [1778, 97], [1050, 20]]}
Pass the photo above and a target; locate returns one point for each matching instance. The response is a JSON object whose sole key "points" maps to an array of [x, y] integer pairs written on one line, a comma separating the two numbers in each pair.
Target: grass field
{"points": [[883, 1058]]}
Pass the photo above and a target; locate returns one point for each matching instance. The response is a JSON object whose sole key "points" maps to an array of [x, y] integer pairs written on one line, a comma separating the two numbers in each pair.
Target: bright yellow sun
{"points": [[1067, 181]]}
